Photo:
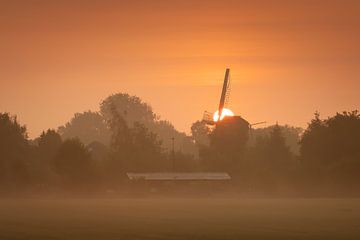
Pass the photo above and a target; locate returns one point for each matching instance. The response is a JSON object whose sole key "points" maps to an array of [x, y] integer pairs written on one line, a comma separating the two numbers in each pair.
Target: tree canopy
{"points": [[74, 164], [132, 109], [14, 149], [330, 149], [263, 160], [88, 127]]}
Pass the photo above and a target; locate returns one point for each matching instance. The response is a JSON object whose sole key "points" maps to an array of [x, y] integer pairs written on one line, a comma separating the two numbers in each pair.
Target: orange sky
{"points": [[287, 58]]}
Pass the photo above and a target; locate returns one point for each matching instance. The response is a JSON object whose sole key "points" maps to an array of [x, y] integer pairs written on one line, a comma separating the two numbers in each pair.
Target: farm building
{"points": [[179, 176]]}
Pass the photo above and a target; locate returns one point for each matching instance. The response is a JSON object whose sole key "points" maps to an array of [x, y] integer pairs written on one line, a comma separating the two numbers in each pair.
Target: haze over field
{"points": [[288, 58], [203, 218]]}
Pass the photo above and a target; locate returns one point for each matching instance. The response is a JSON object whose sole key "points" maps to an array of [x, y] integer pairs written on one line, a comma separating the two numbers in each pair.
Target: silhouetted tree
{"points": [[165, 131], [290, 134], [269, 164], [200, 133], [88, 127], [278, 150], [132, 149], [132, 109], [99, 151], [74, 164], [330, 151], [49, 143], [42, 165], [14, 151], [146, 150]]}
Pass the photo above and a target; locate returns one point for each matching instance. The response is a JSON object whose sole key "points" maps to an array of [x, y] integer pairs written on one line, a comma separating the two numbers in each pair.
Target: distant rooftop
{"points": [[181, 176]]}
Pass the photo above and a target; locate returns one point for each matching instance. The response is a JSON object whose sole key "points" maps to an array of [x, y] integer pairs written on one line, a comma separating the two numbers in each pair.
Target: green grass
{"points": [[180, 219]]}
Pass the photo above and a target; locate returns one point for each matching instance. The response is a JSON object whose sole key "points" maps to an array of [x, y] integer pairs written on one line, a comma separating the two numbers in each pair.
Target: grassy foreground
{"points": [[180, 219]]}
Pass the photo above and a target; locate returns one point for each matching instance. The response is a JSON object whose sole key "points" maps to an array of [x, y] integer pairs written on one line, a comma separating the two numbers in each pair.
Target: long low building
{"points": [[179, 176]]}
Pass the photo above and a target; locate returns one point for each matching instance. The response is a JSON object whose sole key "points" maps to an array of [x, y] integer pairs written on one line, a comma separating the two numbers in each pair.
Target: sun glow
{"points": [[225, 112]]}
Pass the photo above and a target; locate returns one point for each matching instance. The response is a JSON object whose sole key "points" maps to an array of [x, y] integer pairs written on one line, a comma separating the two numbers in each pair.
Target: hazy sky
{"points": [[287, 58]]}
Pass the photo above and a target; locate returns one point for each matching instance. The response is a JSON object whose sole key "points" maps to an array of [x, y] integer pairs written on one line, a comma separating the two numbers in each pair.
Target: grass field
{"points": [[180, 219]]}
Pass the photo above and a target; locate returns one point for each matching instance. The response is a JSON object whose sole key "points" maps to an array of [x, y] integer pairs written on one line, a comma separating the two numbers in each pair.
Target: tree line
{"points": [[94, 150]]}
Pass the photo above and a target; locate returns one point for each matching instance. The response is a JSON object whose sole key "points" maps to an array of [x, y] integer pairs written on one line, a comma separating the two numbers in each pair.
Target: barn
{"points": [[180, 182], [179, 176]]}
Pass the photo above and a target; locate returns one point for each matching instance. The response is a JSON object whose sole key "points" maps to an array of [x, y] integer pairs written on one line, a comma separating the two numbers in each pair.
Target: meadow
{"points": [[175, 218]]}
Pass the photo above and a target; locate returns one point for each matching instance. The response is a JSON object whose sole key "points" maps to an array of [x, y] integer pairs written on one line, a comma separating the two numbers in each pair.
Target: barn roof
{"points": [[178, 176]]}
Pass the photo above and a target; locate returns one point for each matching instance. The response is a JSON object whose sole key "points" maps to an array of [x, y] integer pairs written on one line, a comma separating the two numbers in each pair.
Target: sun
{"points": [[225, 112]]}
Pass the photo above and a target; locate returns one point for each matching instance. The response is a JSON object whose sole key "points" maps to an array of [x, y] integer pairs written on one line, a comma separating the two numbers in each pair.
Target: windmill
{"points": [[212, 118]]}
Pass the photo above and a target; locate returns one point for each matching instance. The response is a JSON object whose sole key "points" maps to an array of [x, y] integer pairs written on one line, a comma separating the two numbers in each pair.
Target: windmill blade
{"points": [[224, 91], [227, 95], [253, 124], [208, 117]]}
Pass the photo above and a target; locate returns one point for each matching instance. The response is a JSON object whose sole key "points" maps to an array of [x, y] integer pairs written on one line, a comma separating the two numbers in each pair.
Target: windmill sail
{"points": [[225, 91], [224, 100], [208, 117], [227, 95]]}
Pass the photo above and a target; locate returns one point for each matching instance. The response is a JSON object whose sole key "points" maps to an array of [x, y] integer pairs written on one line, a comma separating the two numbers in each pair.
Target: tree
{"points": [[49, 143], [269, 162], [132, 109], [88, 127], [290, 134], [14, 150], [200, 133], [330, 151], [147, 155], [45, 150], [134, 149], [279, 152], [73, 163], [165, 132], [99, 152]]}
